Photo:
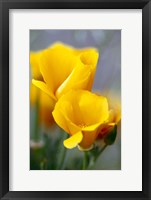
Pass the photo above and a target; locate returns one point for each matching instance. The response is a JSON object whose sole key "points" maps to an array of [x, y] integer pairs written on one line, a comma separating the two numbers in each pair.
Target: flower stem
{"points": [[94, 159], [100, 152], [63, 158], [85, 160], [62, 150]]}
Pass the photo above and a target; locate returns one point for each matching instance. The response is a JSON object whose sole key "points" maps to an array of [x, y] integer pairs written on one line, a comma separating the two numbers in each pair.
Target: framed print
{"points": [[75, 99]]}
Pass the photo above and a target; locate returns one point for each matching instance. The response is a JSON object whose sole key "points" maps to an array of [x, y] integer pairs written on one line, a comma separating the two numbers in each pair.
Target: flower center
{"points": [[82, 125]]}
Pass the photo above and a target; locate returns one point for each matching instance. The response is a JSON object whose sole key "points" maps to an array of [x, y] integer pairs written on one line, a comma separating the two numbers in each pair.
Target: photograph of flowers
{"points": [[75, 99]]}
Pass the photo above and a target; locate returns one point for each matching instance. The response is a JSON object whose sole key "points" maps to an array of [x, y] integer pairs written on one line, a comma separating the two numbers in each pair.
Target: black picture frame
{"points": [[5, 5]]}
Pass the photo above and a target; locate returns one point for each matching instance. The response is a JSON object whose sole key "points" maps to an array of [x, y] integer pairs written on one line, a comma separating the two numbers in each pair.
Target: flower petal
{"points": [[34, 62], [73, 141], [93, 108], [91, 127], [82, 75], [115, 108], [34, 91], [64, 120], [56, 64], [78, 79], [42, 85], [90, 58]]}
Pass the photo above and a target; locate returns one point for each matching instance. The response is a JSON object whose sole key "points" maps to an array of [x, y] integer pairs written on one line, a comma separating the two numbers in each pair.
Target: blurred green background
{"points": [[47, 152]]}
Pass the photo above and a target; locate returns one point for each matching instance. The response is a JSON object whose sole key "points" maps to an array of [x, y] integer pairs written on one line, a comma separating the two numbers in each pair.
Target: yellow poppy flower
{"points": [[64, 68], [80, 113], [46, 105]]}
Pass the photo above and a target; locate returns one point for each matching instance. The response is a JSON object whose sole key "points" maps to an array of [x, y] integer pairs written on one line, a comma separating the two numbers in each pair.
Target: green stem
{"points": [[100, 152], [93, 161], [62, 158], [85, 160], [62, 150]]}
